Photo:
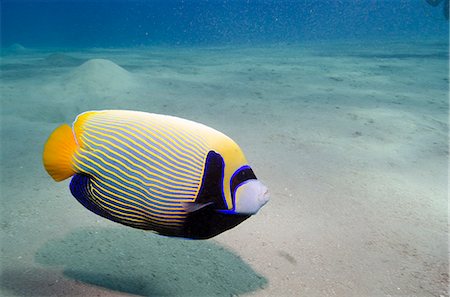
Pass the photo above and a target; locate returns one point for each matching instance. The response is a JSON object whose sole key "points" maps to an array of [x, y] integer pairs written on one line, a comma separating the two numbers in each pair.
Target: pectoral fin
{"points": [[192, 206]]}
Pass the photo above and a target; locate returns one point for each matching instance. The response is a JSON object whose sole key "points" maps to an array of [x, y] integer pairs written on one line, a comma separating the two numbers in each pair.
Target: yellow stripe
{"points": [[177, 179], [146, 218], [183, 135], [177, 134], [100, 200], [178, 212], [129, 217], [143, 155], [135, 222], [189, 189], [132, 178], [158, 127], [175, 148], [194, 192], [181, 184], [169, 160], [104, 177], [188, 156]]}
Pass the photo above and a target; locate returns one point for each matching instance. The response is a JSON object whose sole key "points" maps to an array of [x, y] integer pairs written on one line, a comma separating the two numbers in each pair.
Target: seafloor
{"points": [[351, 139]]}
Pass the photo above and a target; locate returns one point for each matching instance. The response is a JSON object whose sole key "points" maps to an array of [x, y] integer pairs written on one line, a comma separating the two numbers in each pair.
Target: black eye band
{"points": [[241, 175]]}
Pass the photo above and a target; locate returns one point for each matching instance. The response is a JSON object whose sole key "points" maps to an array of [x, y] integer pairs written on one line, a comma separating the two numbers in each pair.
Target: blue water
{"points": [[134, 23]]}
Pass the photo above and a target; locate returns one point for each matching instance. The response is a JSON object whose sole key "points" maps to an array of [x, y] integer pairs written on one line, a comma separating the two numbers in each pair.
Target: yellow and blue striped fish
{"points": [[155, 172]]}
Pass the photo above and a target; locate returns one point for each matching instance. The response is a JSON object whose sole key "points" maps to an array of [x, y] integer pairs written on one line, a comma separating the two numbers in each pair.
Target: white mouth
{"points": [[250, 197], [265, 197]]}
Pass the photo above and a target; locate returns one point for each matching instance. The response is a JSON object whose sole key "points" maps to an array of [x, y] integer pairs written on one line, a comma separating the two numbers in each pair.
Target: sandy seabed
{"points": [[351, 139]]}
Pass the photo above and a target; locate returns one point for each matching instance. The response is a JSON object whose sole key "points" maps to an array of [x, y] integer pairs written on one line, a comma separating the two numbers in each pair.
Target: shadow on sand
{"points": [[138, 262]]}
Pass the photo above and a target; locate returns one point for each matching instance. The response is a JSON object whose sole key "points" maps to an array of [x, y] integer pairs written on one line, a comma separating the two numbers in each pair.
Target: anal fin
{"points": [[79, 186]]}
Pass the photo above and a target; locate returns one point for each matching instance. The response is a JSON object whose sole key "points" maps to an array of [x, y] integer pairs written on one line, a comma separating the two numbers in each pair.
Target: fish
{"points": [[161, 173]]}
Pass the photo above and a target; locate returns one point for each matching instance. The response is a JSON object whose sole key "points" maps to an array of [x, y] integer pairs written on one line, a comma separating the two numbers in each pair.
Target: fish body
{"points": [[155, 172]]}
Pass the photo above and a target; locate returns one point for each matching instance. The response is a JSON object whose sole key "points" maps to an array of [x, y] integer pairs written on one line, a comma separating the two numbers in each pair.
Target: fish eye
{"points": [[241, 175]]}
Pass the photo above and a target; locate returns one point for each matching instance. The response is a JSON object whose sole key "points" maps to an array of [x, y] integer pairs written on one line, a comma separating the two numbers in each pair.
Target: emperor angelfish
{"points": [[155, 172]]}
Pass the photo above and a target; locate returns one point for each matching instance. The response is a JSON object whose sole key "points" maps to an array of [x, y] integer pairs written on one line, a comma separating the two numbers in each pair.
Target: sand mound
{"points": [[100, 76], [14, 48], [100, 72], [63, 60]]}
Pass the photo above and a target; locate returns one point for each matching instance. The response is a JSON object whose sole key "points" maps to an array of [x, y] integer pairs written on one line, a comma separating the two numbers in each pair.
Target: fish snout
{"points": [[265, 196]]}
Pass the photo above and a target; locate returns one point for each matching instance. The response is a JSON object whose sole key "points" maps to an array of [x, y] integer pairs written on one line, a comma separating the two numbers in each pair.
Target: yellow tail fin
{"points": [[58, 152]]}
